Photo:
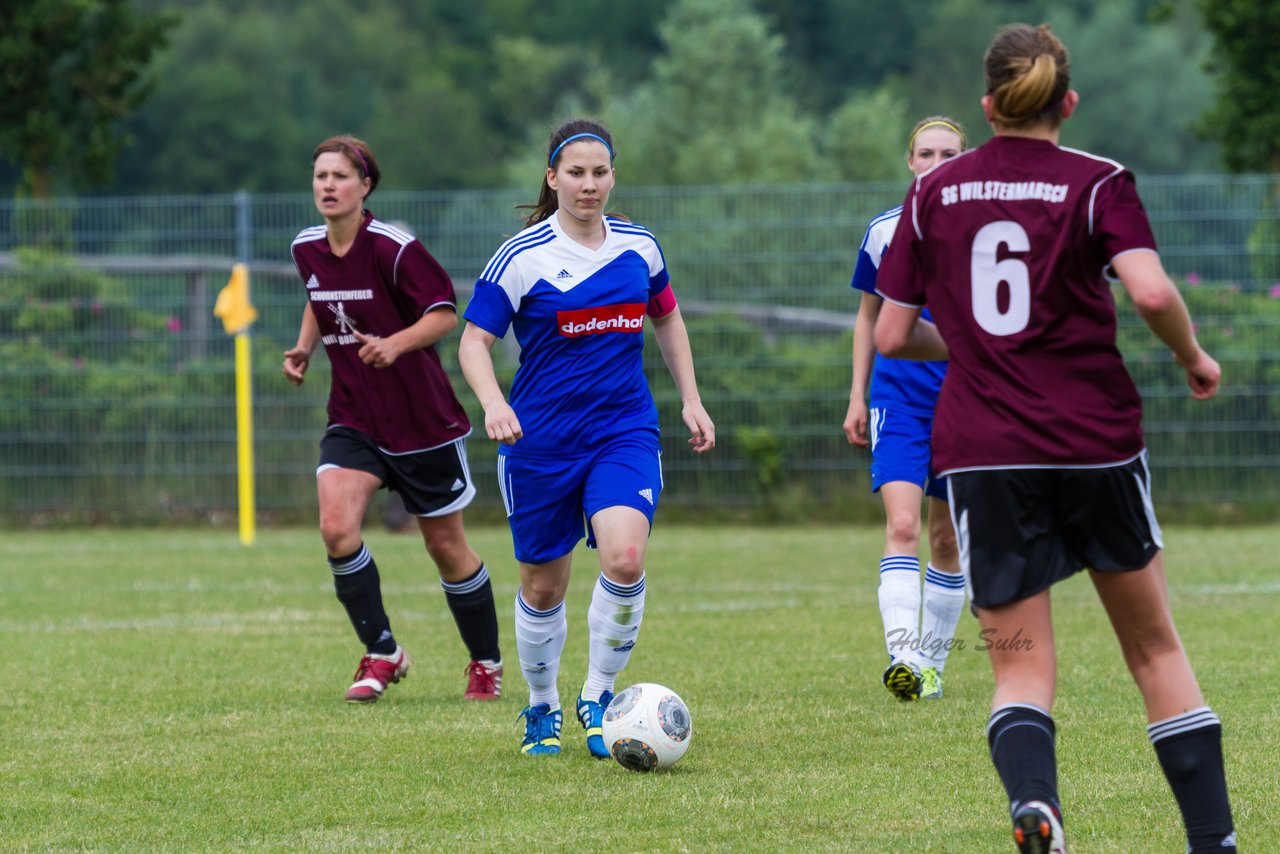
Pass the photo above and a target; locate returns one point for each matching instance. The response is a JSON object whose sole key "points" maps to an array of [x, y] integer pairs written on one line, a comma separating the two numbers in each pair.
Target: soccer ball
{"points": [[647, 727]]}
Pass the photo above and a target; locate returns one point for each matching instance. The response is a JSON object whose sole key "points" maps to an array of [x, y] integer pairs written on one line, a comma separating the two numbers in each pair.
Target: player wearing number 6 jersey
{"points": [[1038, 429]]}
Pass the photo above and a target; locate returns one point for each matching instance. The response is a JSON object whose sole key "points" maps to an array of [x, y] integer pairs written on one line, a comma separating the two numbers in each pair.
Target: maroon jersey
{"points": [[1010, 246], [385, 283]]}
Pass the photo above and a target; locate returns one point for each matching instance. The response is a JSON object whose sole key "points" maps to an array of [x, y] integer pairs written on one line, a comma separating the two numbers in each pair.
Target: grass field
{"points": [[173, 690]]}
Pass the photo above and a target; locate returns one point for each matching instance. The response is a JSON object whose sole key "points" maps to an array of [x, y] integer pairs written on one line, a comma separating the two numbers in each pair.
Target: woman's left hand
{"points": [[702, 432], [376, 352]]}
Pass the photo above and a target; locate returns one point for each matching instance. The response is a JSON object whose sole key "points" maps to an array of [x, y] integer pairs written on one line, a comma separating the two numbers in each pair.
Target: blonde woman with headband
{"points": [[918, 627], [1015, 246]]}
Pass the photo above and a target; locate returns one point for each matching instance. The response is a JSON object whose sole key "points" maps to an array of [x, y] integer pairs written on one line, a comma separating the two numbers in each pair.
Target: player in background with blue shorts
{"points": [[918, 630], [378, 302], [580, 450]]}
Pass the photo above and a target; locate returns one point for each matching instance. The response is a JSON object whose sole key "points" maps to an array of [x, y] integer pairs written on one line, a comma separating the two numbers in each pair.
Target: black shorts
{"points": [[1022, 530], [435, 482]]}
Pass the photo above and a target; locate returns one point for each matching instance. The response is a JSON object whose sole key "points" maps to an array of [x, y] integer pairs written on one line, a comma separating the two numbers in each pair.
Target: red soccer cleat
{"points": [[483, 682], [375, 673]]}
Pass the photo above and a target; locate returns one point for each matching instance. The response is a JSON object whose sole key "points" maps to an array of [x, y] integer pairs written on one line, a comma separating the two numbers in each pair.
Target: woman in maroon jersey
{"points": [[1038, 428], [379, 302]]}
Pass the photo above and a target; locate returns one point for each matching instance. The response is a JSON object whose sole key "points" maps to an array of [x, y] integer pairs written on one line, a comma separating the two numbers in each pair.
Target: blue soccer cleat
{"points": [[541, 729], [591, 716]]}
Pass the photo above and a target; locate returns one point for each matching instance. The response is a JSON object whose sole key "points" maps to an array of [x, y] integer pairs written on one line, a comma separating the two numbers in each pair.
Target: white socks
{"points": [[614, 622], [943, 603], [900, 604], [539, 641]]}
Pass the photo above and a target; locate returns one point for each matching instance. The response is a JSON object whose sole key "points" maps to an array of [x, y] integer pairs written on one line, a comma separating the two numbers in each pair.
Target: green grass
{"points": [[177, 691]]}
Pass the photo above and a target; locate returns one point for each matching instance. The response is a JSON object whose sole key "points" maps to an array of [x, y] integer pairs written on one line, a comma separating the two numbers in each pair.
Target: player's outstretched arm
{"points": [[475, 354], [298, 357], [673, 341], [1162, 309]]}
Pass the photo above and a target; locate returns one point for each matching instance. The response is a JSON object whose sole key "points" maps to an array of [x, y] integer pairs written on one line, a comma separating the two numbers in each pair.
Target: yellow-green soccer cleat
{"points": [[930, 683], [541, 730], [902, 678]]}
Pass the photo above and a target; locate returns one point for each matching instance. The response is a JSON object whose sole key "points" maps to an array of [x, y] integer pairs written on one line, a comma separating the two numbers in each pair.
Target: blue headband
{"points": [[551, 161]]}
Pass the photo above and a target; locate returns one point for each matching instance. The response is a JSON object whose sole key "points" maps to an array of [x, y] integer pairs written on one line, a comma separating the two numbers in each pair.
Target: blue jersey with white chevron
{"points": [[578, 315], [906, 383]]}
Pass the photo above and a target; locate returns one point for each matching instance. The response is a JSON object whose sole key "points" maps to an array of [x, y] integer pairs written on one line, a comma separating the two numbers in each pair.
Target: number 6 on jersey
{"points": [[986, 274]]}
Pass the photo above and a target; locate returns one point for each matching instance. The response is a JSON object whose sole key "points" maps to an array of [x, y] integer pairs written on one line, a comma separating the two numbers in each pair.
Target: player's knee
{"points": [[541, 594], [1149, 649], [446, 548], [903, 530], [942, 545], [339, 538], [624, 566]]}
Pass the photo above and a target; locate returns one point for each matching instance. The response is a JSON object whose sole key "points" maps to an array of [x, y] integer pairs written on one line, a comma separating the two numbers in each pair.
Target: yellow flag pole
{"points": [[244, 436], [238, 314]]}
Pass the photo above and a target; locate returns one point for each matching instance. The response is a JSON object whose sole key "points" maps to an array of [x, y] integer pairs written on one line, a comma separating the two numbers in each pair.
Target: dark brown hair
{"points": [[1028, 74], [358, 152], [547, 203]]}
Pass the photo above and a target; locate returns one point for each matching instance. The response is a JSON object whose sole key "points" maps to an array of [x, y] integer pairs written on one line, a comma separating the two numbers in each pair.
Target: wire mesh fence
{"points": [[118, 395]]}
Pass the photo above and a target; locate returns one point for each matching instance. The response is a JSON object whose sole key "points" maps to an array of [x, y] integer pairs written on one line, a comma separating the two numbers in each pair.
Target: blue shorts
{"points": [[900, 450], [550, 500]]}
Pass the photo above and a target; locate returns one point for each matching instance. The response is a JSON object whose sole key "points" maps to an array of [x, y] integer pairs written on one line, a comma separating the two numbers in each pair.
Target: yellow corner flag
{"points": [[237, 315], [233, 306]]}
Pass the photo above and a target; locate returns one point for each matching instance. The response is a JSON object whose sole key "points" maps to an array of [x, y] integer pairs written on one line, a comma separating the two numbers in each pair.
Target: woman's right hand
{"points": [[501, 423], [855, 423], [1203, 375], [296, 361]]}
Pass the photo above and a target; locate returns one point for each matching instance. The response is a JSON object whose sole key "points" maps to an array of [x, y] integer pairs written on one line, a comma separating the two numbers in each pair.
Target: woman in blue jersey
{"points": [[580, 451], [918, 630]]}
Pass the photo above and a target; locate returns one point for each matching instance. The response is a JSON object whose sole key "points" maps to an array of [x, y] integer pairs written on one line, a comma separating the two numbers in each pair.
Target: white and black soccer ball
{"points": [[647, 727]]}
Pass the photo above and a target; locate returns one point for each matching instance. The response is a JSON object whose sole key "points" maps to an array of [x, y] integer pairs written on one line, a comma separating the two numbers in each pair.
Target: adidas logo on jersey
{"points": [[457, 484], [313, 282], [564, 274], [647, 495]]}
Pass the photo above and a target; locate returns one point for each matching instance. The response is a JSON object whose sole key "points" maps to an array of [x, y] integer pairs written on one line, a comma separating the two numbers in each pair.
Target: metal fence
{"points": [[118, 387]]}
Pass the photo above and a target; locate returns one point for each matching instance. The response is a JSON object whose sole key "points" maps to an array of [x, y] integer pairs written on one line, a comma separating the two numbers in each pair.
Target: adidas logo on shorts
{"points": [[647, 495], [457, 484]]}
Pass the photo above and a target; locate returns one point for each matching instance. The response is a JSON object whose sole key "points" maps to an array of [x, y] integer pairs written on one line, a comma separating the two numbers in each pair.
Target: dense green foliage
{"points": [[70, 71], [1246, 58], [699, 91]]}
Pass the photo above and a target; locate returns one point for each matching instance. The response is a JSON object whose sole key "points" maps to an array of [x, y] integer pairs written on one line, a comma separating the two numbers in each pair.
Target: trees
{"points": [[70, 71], [1246, 59], [1246, 116]]}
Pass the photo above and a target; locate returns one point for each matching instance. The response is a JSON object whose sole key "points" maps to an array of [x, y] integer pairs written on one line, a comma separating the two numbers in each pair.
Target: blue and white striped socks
{"points": [[943, 603], [540, 639], [899, 595], [614, 621]]}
